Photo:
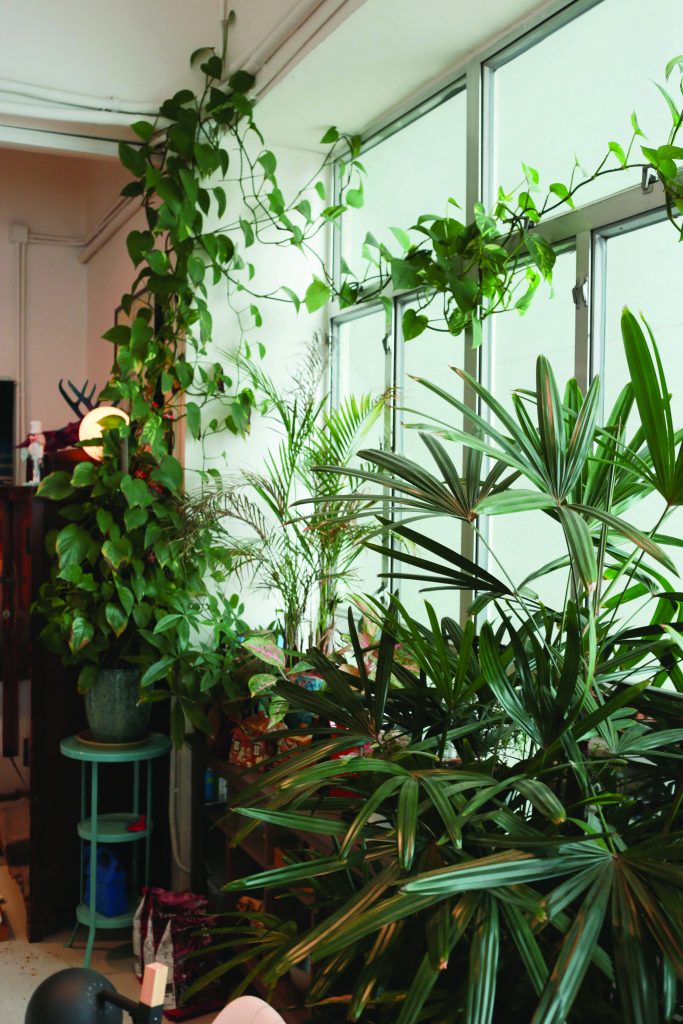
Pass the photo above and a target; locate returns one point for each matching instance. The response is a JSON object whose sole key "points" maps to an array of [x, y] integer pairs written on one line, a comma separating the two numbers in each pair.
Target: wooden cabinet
{"points": [[56, 710]]}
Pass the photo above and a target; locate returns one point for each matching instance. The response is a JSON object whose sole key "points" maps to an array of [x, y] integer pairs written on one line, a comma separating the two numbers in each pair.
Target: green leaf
{"points": [[287, 875], [562, 192], [413, 324], [169, 472], [261, 682], [500, 869], [580, 545], [626, 530], [543, 799], [161, 669], [143, 129], [636, 126], [56, 486], [81, 633], [87, 677], [403, 274], [193, 415], [330, 137], [618, 151], [406, 822], [116, 617], [541, 253], [104, 519], [301, 822], [72, 545], [575, 955], [483, 965], [317, 295], [117, 552], [402, 237], [296, 301], [671, 104], [136, 492], [83, 475]]}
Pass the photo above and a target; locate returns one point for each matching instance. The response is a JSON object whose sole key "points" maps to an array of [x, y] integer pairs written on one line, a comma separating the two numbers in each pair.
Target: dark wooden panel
{"points": [[56, 711]]}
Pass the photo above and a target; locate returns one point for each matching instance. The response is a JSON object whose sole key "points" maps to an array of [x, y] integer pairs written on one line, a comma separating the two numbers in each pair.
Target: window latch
{"points": [[386, 343], [647, 180], [580, 295]]}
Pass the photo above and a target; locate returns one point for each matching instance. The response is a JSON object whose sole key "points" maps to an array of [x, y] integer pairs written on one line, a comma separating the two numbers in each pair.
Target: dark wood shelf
{"points": [[213, 820]]}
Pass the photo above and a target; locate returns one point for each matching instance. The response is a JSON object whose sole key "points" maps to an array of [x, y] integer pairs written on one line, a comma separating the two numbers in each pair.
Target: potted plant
{"points": [[128, 598], [512, 848]]}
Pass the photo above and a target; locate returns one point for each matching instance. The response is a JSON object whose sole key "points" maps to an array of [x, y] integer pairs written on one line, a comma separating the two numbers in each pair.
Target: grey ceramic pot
{"points": [[112, 709]]}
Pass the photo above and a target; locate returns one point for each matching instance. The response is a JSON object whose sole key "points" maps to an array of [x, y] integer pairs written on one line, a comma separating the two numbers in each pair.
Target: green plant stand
{"points": [[111, 828]]}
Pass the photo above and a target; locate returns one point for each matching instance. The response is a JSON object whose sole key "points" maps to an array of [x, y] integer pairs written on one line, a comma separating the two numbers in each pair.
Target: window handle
{"points": [[580, 295]]}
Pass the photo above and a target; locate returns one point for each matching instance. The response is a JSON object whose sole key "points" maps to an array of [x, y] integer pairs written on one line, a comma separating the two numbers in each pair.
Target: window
{"points": [[613, 251], [643, 268], [431, 357], [401, 184], [573, 92]]}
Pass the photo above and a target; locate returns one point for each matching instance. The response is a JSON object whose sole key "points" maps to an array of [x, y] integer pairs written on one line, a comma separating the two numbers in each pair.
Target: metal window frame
{"points": [[587, 229]]}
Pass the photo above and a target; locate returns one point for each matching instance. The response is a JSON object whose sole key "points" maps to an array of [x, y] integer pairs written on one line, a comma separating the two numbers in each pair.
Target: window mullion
{"points": [[582, 303]]}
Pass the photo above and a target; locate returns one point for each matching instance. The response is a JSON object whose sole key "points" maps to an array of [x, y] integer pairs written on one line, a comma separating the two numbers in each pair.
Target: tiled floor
{"points": [[24, 965]]}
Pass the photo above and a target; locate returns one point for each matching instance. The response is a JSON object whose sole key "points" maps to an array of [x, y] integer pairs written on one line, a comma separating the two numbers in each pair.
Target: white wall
{"points": [[285, 335], [109, 269]]}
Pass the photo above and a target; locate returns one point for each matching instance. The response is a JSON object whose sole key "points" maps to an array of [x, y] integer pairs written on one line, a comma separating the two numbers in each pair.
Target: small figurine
{"points": [[34, 451]]}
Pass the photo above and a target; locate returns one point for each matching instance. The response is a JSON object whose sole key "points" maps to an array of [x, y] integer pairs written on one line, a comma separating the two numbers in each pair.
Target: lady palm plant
{"points": [[510, 849], [305, 560]]}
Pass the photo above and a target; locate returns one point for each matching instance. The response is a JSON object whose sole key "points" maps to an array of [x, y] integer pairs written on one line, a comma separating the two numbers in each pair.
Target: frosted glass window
{"points": [[363, 367], [644, 269], [525, 541], [573, 93], [547, 328], [431, 356], [413, 171]]}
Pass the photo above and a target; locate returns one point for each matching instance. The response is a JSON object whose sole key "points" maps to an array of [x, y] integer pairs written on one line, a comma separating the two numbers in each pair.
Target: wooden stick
{"points": [[154, 985]]}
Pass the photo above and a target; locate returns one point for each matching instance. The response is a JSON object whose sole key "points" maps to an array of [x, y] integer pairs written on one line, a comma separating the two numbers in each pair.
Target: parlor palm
{"points": [[510, 850], [306, 560]]}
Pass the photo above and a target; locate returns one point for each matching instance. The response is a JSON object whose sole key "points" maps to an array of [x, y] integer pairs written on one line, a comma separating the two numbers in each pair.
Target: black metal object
{"points": [[80, 996]]}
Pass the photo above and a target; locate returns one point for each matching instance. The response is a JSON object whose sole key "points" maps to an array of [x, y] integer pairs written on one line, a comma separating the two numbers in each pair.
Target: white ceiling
{"points": [[74, 73], [383, 55]]}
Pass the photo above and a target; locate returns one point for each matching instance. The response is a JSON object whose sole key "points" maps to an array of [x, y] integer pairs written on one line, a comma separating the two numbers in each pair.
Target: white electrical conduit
{"points": [[173, 814], [67, 98], [81, 115]]}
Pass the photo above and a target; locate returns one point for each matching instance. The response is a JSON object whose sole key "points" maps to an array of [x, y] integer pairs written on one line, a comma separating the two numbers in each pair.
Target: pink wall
{"points": [[45, 193], [69, 303]]}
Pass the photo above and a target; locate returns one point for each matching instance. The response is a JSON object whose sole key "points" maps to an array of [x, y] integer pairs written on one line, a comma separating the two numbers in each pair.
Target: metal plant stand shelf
{"points": [[111, 828]]}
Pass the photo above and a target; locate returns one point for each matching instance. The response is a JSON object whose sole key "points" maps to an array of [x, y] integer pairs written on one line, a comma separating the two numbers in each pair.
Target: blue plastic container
{"points": [[111, 898]]}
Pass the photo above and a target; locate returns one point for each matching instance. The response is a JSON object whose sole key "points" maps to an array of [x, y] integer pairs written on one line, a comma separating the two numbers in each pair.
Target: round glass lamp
{"points": [[95, 423]]}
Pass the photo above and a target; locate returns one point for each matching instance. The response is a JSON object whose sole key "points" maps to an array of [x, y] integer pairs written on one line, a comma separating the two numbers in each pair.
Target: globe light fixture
{"points": [[93, 425]]}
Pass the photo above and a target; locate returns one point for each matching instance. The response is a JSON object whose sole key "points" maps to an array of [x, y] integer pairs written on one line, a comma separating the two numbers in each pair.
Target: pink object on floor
{"points": [[248, 1010]]}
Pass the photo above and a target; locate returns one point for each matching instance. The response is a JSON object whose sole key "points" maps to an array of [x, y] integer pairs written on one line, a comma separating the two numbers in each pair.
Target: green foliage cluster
{"points": [[495, 262], [297, 559], [510, 850]]}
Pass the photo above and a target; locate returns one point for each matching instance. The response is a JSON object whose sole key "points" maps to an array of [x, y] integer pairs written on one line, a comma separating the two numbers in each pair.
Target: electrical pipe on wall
{"points": [[18, 234]]}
